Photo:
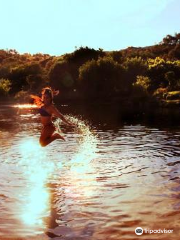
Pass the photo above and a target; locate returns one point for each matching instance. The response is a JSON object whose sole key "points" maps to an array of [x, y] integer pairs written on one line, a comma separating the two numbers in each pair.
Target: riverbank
{"points": [[165, 111]]}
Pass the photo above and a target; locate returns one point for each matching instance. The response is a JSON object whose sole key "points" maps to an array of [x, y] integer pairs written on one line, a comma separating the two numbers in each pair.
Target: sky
{"points": [[57, 27]]}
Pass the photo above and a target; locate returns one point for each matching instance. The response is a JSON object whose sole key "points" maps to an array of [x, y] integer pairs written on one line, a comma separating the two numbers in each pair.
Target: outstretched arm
{"points": [[60, 115]]}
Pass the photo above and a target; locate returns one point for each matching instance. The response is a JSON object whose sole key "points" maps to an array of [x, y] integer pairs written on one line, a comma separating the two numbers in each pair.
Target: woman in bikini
{"points": [[47, 110]]}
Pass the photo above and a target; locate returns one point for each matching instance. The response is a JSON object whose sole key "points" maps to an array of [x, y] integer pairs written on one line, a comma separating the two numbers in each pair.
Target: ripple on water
{"points": [[99, 184]]}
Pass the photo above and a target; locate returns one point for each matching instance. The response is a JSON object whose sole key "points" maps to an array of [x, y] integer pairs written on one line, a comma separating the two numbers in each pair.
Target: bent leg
{"points": [[47, 135], [51, 139]]}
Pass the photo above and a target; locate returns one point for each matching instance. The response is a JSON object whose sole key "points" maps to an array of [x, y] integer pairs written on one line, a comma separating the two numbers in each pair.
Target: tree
{"points": [[175, 52], [5, 86], [60, 76], [143, 82], [134, 67], [169, 40], [101, 79], [158, 72], [83, 54], [25, 76], [171, 79]]}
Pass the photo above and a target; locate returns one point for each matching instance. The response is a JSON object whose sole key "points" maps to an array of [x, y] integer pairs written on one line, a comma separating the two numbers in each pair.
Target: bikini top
{"points": [[43, 112]]}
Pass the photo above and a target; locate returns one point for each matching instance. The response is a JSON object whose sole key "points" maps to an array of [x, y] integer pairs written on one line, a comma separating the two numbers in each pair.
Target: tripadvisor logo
{"points": [[139, 231]]}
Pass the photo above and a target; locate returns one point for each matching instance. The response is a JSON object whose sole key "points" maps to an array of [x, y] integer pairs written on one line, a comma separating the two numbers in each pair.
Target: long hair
{"points": [[46, 90]]}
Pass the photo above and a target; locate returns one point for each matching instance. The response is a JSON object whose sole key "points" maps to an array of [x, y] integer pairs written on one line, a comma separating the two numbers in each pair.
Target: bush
{"points": [[22, 96], [161, 93], [135, 66], [102, 78], [174, 95], [84, 54], [163, 73], [143, 82], [5, 86]]}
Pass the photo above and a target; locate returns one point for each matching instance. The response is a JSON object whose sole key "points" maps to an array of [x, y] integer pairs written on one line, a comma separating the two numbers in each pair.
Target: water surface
{"points": [[102, 183]]}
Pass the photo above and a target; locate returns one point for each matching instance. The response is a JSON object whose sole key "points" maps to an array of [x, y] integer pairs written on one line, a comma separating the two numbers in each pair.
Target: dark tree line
{"points": [[91, 75]]}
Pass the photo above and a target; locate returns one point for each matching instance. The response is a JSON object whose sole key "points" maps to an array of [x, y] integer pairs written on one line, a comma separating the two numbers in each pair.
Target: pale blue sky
{"points": [[57, 26]]}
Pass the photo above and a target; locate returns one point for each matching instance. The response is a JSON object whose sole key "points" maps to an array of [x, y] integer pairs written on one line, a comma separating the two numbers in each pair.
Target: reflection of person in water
{"points": [[47, 110]]}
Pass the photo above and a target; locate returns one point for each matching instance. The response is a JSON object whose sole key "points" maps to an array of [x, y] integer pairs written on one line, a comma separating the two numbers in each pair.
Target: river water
{"points": [[102, 183]]}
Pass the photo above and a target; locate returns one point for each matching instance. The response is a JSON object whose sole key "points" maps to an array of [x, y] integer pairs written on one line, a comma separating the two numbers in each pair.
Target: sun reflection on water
{"points": [[38, 166], [37, 169], [36, 205], [25, 106], [81, 163], [85, 187]]}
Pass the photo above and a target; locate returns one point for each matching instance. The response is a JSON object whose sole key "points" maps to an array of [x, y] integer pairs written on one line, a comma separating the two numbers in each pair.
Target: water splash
{"points": [[36, 169], [86, 139], [57, 124]]}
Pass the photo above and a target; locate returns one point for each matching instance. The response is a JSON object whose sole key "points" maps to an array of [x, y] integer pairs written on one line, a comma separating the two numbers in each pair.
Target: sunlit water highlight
{"points": [[99, 184]]}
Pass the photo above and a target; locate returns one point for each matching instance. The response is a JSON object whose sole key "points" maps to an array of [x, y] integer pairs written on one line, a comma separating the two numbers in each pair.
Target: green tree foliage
{"points": [[168, 48], [163, 73], [160, 93], [4, 71], [171, 79], [117, 56], [5, 86], [84, 54], [96, 74], [171, 40], [75, 60], [175, 52], [143, 82], [22, 96], [64, 72], [35, 82], [22, 77], [134, 67], [132, 52], [60, 76], [140, 93], [25, 71], [101, 79]]}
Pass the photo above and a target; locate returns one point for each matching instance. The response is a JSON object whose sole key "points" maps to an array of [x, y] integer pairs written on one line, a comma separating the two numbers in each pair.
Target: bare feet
{"points": [[58, 136]]}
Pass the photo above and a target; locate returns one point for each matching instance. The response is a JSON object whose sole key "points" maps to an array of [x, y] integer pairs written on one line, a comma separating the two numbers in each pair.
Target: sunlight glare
{"points": [[25, 106], [37, 205], [81, 164], [37, 169]]}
